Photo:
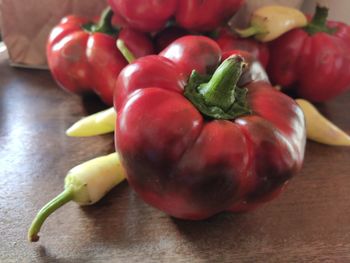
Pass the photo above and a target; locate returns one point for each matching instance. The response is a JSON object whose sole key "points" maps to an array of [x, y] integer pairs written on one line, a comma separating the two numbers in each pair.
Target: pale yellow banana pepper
{"points": [[270, 22], [85, 184], [320, 129], [96, 124]]}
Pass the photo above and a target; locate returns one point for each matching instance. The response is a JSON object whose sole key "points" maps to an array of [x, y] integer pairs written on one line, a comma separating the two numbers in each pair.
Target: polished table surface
{"points": [[309, 222]]}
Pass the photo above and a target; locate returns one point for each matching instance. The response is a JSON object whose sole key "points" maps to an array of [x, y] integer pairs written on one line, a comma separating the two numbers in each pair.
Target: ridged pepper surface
{"points": [[197, 15], [199, 133], [313, 62], [83, 56]]}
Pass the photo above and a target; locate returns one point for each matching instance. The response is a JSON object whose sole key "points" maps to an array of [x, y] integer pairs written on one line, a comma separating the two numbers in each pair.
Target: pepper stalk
{"points": [[104, 25], [319, 22], [218, 96]]}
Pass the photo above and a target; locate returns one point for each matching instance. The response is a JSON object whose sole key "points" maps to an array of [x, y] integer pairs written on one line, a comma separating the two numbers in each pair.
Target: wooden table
{"points": [[310, 222]]}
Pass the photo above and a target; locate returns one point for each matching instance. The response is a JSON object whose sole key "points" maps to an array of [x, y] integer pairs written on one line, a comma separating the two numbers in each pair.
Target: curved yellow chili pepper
{"points": [[85, 184], [320, 129], [269, 22]]}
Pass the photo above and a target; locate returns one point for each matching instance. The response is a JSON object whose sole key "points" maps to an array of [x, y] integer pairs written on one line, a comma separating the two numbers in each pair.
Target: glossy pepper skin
{"points": [[193, 166], [197, 15], [314, 62], [228, 41], [83, 57]]}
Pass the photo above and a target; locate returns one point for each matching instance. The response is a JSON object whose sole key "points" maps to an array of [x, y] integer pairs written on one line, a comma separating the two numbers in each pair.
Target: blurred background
{"points": [[24, 27]]}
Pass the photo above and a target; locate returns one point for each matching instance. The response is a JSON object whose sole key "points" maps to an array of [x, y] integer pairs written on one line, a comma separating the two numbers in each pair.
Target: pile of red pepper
{"points": [[200, 128], [313, 61]]}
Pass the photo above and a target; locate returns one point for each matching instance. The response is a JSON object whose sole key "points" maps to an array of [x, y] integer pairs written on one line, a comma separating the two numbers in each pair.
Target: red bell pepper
{"points": [[197, 137], [313, 61], [149, 16], [229, 41], [83, 57]]}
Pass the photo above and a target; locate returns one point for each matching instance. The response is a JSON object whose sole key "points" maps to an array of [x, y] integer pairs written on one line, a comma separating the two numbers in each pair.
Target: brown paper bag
{"points": [[26, 25]]}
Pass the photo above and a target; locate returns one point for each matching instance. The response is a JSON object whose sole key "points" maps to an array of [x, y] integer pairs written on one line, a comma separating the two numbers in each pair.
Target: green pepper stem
{"points": [[250, 31], [220, 90], [219, 97], [48, 209], [320, 16], [130, 57], [105, 23], [319, 22]]}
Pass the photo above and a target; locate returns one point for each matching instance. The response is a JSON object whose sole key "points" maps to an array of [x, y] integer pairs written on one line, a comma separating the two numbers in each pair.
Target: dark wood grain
{"points": [[310, 222]]}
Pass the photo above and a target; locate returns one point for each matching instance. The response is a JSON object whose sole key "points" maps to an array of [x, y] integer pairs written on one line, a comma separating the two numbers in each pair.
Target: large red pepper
{"points": [[313, 61], [196, 138], [83, 57], [229, 41], [198, 15]]}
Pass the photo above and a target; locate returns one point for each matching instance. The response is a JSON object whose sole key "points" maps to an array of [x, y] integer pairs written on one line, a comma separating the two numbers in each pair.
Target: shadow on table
{"points": [[92, 104], [223, 234], [45, 256], [134, 226]]}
